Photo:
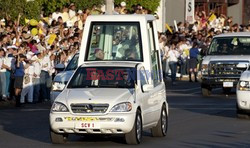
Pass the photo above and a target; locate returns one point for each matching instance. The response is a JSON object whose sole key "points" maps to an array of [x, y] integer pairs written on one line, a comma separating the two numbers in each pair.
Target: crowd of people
{"points": [[182, 48], [29, 52]]}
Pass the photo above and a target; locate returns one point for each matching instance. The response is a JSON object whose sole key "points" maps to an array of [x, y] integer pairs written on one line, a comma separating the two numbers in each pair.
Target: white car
{"points": [[110, 98], [243, 94], [62, 78]]}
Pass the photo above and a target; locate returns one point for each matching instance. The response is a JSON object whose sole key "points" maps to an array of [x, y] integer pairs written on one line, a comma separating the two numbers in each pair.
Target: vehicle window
{"points": [[73, 63], [154, 57], [143, 77], [114, 42], [106, 77], [230, 46]]}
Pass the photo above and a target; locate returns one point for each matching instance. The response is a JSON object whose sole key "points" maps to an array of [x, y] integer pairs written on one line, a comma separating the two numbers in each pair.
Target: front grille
{"points": [[89, 108], [225, 69]]}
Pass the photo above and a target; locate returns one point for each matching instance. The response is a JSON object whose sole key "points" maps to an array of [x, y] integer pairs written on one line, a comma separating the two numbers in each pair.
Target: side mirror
{"points": [[147, 87], [59, 67]]}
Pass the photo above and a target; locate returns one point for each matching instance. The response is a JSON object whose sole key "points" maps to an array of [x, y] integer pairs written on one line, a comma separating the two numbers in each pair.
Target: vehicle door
{"points": [[144, 96]]}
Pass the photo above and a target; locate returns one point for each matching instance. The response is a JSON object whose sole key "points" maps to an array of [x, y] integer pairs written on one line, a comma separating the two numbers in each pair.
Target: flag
{"points": [[51, 39], [169, 29], [212, 18]]}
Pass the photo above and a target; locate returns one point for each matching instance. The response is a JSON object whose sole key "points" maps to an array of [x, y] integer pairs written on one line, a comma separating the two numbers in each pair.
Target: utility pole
{"points": [[109, 6]]}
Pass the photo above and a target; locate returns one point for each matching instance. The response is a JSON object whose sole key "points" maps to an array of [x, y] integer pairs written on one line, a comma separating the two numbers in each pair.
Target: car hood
{"points": [[245, 76], [208, 59], [63, 76], [95, 95]]}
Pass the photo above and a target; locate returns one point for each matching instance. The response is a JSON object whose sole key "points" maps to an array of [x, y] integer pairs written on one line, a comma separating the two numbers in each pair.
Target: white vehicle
{"points": [[227, 58], [243, 94], [118, 87], [62, 78]]}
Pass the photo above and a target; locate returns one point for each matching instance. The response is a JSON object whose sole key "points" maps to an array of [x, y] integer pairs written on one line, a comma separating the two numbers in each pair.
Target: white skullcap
{"points": [[123, 4]]}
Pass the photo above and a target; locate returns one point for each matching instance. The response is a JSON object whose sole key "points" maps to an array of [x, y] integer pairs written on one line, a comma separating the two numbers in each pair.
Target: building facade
{"points": [[238, 9]]}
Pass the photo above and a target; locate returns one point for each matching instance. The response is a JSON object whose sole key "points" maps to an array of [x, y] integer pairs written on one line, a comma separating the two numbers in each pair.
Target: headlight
{"points": [[57, 86], [204, 69], [122, 107], [59, 107], [243, 85]]}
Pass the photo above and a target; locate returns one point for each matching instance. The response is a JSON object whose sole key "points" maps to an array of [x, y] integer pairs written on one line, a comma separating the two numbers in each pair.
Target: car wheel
{"points": [[161, 128], [240, 113], [205, 91], [58, 138], [135, 135]]}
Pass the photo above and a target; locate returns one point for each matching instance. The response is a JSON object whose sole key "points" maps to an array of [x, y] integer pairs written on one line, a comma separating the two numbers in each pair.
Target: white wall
{"points": [[236, 12]]}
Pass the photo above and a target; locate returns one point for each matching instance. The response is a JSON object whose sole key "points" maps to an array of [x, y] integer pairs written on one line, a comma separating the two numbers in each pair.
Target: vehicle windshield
{"points": [[230, 46], [73, 63], [103, 77], [111, 41]]}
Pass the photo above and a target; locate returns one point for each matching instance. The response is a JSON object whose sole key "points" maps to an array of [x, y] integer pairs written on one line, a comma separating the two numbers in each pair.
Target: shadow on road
{"points": [[30, 121]]}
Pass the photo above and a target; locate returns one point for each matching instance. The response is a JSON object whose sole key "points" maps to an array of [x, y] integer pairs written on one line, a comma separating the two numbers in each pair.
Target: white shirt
{"points": [[30, 72], [72, 13], [1, 62], [55, 15], [173, 55], [46, 63], [94, 82], [37, 68], [52, 68]]}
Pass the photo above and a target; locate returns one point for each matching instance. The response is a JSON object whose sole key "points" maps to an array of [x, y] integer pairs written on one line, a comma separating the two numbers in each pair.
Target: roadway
{"points": [[194, 121]]}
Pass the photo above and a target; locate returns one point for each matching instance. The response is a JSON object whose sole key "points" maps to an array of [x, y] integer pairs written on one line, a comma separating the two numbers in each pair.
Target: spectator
{"points": [[173, 56], [194, 51]]}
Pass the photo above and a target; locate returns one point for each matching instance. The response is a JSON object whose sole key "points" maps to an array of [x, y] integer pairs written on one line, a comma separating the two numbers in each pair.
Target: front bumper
{"points": [[214, 82], [243, 100], [112, 123]]}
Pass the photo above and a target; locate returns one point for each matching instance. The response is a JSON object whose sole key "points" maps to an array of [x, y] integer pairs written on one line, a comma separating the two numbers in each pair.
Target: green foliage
{"points": [[151, 5], [50, 6], [11, 8], [83, 4], [33, 8]]}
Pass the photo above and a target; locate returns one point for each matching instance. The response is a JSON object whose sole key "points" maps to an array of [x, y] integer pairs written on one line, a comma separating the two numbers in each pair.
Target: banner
{"points": [[189, 13]]}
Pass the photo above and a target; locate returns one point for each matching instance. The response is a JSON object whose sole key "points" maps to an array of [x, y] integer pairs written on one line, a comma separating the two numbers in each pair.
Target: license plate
{"points": [[87, 125], [228, 84]]}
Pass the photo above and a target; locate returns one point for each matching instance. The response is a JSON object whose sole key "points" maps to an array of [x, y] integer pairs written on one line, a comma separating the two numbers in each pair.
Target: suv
{"points": [[227, 57], [118, 87], [120, 102]]}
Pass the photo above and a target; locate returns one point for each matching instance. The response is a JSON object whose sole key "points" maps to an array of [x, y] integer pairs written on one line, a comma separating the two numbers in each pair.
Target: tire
{"points": [[135, 135], [58, 138], [240, 113], [161, 128], [205, 91]]}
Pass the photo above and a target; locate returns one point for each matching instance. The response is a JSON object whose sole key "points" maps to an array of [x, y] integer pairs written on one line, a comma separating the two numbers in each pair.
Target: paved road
{"points": [[194, 121]]}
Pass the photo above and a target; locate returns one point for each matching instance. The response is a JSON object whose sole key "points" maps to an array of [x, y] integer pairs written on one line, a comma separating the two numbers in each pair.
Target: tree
{"points": [[83, 4], [151, 5]]}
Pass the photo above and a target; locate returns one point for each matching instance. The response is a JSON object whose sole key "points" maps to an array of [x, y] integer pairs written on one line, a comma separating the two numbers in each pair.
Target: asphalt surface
{"points": [[194, 121]]}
